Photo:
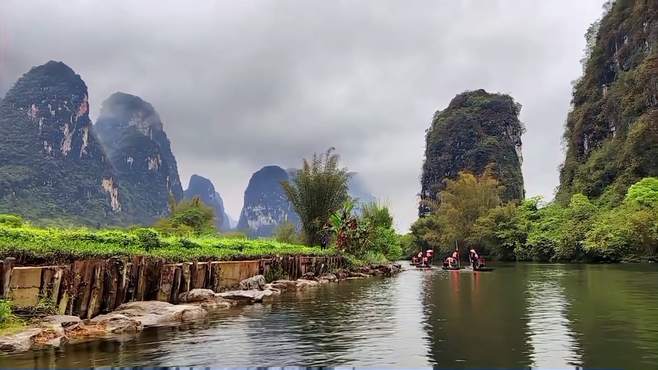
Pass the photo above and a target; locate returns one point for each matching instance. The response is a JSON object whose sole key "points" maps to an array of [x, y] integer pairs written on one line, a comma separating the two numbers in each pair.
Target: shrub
{"points": [[11, 220]]}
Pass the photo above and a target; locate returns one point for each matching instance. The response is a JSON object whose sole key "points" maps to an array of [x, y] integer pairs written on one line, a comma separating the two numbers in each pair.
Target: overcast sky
{"points": [[243, 84]]}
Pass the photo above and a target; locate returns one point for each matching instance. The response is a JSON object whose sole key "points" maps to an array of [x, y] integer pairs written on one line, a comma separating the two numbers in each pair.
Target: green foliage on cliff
{"points": [[611, 133], [476, 132], [50, 245]]}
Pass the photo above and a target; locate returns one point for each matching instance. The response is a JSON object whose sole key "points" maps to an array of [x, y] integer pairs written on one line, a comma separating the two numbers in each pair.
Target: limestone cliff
{"points": [[477, 130], [612, 130], [135, 141], [52, 168]]}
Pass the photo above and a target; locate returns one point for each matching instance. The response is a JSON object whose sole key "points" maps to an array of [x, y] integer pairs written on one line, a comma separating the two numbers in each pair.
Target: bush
{"points": [[11, 220], [148, 238]]}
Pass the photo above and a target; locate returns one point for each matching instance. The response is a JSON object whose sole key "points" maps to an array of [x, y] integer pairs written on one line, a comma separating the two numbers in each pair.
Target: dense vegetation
{"points": [[30, 243], [582, 230], [477, 131], [611, 133]]}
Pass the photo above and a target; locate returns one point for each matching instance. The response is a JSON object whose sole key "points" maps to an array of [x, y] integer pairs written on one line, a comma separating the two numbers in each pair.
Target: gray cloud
{"points": [[242, 84]]}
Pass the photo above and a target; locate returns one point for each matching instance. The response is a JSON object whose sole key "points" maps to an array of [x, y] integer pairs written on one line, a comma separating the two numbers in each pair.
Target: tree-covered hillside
{"points": [[612, 131]]}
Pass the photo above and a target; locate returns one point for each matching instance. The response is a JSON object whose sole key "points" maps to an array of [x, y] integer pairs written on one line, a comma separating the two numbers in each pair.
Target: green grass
{"points": [[49, 245]]}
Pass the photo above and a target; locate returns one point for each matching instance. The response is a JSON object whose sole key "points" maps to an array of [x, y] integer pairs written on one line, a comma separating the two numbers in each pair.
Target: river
{"points": [[520, 315]]}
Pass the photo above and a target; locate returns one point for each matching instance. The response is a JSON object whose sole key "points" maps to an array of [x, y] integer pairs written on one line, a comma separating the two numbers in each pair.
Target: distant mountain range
{"points": [[58, 168]]}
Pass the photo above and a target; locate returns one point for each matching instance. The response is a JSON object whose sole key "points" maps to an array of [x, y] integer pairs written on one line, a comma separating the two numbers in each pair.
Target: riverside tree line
{"points": [[469, 212]]}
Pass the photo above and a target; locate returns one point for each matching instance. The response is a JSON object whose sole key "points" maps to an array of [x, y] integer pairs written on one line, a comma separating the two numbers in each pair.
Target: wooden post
{"points": [[7, 266]]}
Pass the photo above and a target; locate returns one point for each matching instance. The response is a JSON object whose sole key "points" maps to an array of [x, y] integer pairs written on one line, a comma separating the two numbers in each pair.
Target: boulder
{"points": [[357, 275], [304, 283], [67, 322], [284, 284], [254, 282], [246, 296], [329, 277], [156, 313], [197, 295], [114, 323], [19, 342], [342, 274], [308, 275]]}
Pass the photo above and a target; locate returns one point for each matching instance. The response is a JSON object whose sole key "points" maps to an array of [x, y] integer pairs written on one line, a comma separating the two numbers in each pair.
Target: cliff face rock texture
{"points": [[265, 203], [477, 130], [133, 136], [204, 189], [52, 167], [612, 131]]}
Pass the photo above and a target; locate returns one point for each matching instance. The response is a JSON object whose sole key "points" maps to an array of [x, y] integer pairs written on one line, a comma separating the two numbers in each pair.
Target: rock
{"points": [[114, 323], [19, 342], [205, 298], [197, 295], [284, 284], [309, 275], [274, 290], [303, 283], [246, 296], [156, 313], [254, 282], [342, 274], [65, 321], [357, 275], [329, 277]]}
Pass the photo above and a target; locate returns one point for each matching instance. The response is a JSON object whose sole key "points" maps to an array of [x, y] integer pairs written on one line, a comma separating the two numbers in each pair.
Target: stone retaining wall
{"points": [[86, 288]]}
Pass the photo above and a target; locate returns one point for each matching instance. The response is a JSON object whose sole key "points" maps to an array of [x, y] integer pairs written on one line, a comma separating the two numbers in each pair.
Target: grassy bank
{"points": [[48, 245]]}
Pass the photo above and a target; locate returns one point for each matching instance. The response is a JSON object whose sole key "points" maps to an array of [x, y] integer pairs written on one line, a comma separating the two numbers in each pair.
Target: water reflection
{"points": [[475, 323], [551, 338], [518, 316]]}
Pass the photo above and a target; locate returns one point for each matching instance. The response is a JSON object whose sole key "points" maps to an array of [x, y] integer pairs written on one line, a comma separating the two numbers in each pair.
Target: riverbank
{"points": [[196, 304]]}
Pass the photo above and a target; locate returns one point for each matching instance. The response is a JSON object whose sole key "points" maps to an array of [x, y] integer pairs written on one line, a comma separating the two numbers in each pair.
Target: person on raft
{"points": [[450, 262], [474, 258]]}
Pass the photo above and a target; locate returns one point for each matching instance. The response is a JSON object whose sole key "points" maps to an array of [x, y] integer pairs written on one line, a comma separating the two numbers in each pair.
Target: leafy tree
{"points": [[500, 231], [318, 190], [644, 192], [463, 201], [188, 217]]}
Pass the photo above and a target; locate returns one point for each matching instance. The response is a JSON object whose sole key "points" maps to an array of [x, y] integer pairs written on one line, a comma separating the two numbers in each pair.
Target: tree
{"points": [[463, 201], [318, 190], [187, 217]]}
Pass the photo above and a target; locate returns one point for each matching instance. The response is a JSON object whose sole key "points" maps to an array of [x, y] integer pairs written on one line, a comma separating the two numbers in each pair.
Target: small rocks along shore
{"points": [[133, 317]]}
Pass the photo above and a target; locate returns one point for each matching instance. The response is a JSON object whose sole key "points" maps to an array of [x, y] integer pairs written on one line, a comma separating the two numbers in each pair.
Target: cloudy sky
{"points": [[243, 84]]}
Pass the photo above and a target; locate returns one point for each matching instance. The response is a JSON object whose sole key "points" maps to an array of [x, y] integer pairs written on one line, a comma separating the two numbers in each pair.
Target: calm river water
{"points": [[520, 315]]}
